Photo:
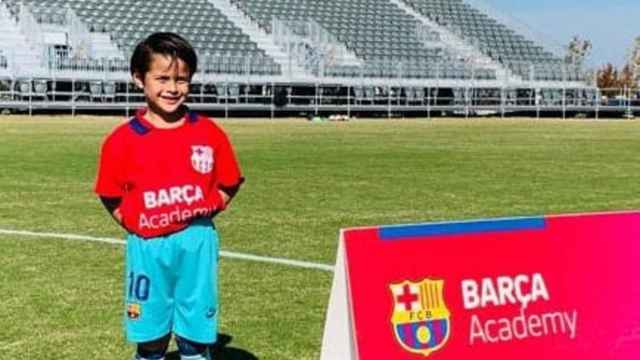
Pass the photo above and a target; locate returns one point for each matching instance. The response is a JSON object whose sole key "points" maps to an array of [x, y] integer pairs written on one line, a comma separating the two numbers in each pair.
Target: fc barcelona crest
{"points": [[420, 317], [202, 159], [134, 311]]}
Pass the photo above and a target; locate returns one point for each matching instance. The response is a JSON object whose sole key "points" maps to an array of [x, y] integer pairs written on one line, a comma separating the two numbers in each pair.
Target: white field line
{"points": [[223, 253]]}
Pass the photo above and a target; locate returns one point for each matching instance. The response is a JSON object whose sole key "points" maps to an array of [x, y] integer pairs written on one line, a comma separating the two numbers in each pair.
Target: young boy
{"points": [[163, 175]]}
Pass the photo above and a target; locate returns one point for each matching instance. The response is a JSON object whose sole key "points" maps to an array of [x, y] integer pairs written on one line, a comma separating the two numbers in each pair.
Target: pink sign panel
{"points": [[555, 287]]}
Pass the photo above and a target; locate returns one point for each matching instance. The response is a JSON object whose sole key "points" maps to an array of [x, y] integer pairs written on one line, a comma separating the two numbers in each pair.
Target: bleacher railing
{"points": [[310, 46], [456, 49], [389, 69], [4, 62], [428, 37], [238, 66], [31, 28], [79, 66], [79, 38]]}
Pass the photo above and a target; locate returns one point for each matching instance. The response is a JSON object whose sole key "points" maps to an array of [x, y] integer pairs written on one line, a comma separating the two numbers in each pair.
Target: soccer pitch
{"points": [[62, 299]]}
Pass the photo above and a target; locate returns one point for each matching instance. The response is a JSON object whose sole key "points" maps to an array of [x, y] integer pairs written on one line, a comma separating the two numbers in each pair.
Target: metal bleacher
{"points": [[521, 55], [129, 21], [365, 52], [377, 31]]}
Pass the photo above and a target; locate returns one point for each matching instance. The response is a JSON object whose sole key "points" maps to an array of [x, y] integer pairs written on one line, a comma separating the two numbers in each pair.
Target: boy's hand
{"points": [[225, 198], [114, 207], [224, 201], [117, 215]]}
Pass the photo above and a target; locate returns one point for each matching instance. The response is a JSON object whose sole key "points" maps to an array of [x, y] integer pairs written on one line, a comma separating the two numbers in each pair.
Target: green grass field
{"points": [[61, 299]]}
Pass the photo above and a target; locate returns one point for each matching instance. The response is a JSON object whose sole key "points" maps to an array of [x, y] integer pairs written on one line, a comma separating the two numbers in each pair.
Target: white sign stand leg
{"points": [[337, 342]]}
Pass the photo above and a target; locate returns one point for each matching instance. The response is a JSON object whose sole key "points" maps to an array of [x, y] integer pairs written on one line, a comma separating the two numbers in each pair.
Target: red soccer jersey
{"points": [[166, 177]]}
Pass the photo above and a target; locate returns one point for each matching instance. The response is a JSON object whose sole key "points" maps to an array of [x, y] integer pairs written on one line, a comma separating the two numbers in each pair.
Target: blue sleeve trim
{"points": [[138, 126], [460, 228], [192, 117]]}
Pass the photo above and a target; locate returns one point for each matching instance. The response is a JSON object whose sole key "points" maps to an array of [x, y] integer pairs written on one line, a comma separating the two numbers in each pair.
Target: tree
{"points": [[607, 76], [627, 77], [634, 62], [608, 79], [577, 51]]}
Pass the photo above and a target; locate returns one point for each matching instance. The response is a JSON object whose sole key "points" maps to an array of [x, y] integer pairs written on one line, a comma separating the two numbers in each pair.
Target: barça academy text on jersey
{"points": [[177, 198]]}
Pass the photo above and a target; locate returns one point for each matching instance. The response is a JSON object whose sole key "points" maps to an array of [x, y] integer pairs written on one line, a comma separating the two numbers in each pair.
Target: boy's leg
{"points": [[190, 350], [153, 350], [196, 291], [148, 304]]}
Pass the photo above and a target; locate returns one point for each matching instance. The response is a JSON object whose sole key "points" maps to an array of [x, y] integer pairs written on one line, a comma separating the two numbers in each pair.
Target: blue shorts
{"points": [[172, 285]]}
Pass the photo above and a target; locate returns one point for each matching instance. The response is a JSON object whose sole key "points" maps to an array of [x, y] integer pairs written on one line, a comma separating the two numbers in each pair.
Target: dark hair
{"points": [[163, 43]]}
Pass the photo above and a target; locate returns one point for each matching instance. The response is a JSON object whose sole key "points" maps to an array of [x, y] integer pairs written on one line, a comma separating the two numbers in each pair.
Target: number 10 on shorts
{"points": [[139, 285]]}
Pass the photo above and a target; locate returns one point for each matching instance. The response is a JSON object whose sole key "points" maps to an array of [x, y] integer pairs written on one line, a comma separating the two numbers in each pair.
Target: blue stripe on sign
{"points": [[460, 228], [400, 332], [444, 328], [432, 339]]}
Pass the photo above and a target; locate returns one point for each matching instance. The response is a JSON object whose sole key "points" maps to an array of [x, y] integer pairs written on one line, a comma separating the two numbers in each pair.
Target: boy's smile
{"points": [[166, 87]]}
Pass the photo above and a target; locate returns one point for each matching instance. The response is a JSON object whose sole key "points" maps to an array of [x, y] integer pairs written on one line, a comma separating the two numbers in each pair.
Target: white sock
{"points": [[138, 357], [205, 356]]}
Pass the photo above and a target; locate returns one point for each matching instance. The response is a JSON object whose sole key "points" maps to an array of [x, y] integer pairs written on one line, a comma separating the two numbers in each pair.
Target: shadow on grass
{"points": [[221, 351]]}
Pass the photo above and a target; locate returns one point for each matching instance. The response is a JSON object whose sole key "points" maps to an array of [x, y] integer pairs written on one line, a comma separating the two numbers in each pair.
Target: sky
{"points": [[611, 25]]}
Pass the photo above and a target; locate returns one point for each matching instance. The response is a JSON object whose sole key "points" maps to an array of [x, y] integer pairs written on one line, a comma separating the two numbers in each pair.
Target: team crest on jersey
{"points": [[202, 158], [134, 311], [421, 320]]}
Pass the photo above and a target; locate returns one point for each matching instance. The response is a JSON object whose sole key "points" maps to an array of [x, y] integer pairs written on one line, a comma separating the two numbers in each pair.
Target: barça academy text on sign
{"points": [[555, 287]]}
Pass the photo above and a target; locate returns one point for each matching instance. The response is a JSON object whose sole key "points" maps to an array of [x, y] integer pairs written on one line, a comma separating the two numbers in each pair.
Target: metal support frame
{"points": [[598, 97], [273, 103], [564, 103], [429, 103], [538, 102], [389, 101], [348, 101], [326, 97]]}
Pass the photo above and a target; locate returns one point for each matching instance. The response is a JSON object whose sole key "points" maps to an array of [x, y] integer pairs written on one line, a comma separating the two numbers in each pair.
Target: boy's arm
{"points": [[113, 207], [227, 169], [110, 180], [227, 193], [225, 198]]}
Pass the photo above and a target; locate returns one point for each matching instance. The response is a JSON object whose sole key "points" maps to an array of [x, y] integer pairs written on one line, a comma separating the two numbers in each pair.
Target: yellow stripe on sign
{"points": [[423, 299], [433, 298]]}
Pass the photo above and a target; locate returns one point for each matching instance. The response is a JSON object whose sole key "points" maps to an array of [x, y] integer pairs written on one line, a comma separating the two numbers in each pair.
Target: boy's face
{"points": [[165, 85]]}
